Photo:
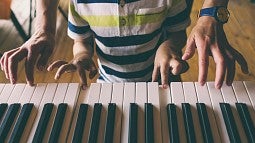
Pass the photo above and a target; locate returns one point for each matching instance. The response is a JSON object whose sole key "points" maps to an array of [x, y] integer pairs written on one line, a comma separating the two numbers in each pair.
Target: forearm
{"points": [[210, 3], [83, 47], [46, 15]]}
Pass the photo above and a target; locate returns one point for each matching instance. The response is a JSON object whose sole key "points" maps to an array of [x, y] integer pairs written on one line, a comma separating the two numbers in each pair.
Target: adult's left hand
{"points": [[209, 38]]}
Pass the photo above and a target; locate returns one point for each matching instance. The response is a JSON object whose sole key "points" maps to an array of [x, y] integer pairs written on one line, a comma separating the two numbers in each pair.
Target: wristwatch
{"points": [[220, 13]]}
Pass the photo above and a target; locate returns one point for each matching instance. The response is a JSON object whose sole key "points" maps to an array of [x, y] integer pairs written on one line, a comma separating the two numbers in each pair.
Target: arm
{"points": [[38, 47], [209, 38], [82, 61]]}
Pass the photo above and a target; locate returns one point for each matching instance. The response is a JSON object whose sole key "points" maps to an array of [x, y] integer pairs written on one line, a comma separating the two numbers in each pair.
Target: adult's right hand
{"points": [[37, 49]]}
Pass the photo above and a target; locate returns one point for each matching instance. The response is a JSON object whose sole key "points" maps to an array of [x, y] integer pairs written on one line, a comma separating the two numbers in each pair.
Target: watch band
{"points": [[211, 11]]}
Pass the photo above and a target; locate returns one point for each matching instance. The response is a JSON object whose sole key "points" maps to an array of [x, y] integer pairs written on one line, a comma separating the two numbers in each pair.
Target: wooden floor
{"points": [[240, 31]]}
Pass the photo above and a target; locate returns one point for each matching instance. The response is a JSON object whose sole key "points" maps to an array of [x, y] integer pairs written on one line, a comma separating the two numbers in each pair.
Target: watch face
{"points": [[222, 14]]}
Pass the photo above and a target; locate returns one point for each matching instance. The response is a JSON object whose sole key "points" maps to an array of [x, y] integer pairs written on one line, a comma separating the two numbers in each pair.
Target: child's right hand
{"points": [[80, 63]]}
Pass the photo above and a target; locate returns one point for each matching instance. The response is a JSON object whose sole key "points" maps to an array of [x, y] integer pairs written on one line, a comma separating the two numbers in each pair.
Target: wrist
{"points": [[211, 3], [81, 48]]}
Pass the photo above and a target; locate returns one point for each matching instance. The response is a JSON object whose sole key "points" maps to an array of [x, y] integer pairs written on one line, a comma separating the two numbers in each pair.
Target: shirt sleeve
{"points": [[178, 16], [78, 28]]}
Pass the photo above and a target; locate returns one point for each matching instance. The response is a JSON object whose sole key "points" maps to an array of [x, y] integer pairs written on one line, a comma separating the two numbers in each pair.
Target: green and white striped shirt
{"points": [[127, 33]]}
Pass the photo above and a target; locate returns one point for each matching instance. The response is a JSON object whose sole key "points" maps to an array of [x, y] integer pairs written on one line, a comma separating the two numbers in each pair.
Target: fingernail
{"points": [[84, 87], [165, 86], [202, 83], [217, 86]]}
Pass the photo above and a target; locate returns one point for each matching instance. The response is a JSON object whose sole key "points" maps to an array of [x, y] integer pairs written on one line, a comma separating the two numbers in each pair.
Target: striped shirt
{"points": [[127, 33]]}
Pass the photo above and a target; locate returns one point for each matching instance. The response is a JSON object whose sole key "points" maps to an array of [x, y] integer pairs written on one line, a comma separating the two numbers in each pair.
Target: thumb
{"points": [[178, 66]]}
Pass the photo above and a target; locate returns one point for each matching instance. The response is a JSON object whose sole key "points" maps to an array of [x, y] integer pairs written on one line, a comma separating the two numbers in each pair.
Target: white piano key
{"points": [[251, 91], [16, 93], [243, 97], [204, 97], [59, 97], [82, 98], [25, 98], [36, 98], [27, 94], [117, 98], [178, 98], [105, 99], [1, 87], [141, 98], [93, 97], [6, 92], [153, 97], [165, 98], [70, 99], [129, 97], [229, 97], [191, 98], [14, 98], [217, 98]]}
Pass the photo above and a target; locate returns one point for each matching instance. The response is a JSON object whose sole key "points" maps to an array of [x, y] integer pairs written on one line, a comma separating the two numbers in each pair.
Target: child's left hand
{"points": [[167, 61]]}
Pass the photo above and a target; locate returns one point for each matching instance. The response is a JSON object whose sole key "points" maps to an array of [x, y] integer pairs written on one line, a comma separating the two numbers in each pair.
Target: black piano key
{"points": [[93, 133], [172, 123], [3, 107], [204, 123], [21, 123], [246, 121], [188, 123], [8, 120], [109, 130], [133, 115], [43, 122], [79, 127], [230, 123], [149, 124], [58, 122]]}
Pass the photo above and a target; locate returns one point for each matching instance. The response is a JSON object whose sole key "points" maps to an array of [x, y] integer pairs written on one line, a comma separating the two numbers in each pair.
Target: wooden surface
{"points": [[240, 32]]}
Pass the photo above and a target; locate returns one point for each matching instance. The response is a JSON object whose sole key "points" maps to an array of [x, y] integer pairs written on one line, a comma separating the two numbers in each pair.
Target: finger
{"points": [[164, 72], [29, 67], [4, 61], [12, 64], [178, 66], [190, 49], [56, 64], [230, 72], [62, 69], [155, 73], [241, 61], [93, 70], [43, 60], [220, 66], [203, 60], [83, 78]]}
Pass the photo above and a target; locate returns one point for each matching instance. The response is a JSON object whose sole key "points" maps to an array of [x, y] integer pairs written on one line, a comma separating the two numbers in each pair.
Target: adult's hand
{"points": [[209, 38], [36, 51]]}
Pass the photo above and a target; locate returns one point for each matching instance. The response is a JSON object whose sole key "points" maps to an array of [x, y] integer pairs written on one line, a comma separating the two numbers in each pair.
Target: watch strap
{"points": [[211, 11]]}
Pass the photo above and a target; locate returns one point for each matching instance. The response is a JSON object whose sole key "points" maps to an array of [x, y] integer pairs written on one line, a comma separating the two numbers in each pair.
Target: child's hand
{"points": [[167, 61], [79, 63]]}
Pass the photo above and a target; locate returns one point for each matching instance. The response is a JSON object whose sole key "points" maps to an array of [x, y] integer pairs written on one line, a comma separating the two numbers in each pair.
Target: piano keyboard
{"points": [[127, 113]]}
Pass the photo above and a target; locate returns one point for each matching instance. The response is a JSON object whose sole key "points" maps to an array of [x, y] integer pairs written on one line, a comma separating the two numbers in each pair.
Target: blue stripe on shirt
{"points": [[127, 59], [127, 40], [104, 1], [137, 74], [78, 29], [171, 21]]}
